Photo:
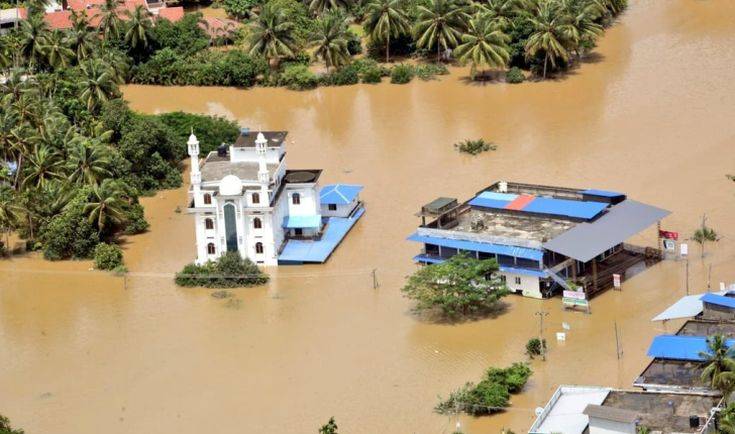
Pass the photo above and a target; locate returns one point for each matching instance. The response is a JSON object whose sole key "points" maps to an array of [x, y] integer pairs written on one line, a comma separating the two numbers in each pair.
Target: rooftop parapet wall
{"points": [[477, 237]]}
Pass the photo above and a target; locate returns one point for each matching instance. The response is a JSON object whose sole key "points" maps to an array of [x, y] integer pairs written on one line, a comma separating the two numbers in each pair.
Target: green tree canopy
{"points": [[386, 19]]}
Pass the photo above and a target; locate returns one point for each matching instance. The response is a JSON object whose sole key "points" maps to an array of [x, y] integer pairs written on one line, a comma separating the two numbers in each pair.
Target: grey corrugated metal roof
{"points": [[587, 240]]}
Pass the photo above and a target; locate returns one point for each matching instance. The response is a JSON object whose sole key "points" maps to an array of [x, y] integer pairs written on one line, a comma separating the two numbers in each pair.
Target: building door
{"points": [[230, 228]]}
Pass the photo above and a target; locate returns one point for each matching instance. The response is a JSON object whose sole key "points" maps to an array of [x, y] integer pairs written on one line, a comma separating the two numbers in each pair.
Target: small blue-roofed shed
{"points": [[718, 307], [302, 222], [691, 348], [339, 200], [718, 300]]}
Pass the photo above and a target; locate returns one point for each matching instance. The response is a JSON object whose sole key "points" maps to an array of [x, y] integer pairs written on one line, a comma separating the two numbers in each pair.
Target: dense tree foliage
{"points": [[459, 287], [5, 427], [229, 271], [73, 157]]}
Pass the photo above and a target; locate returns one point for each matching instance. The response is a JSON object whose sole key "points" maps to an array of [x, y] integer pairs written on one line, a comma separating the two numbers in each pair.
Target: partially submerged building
{"points": [[598, 410], [245, 200], [541, 236]]}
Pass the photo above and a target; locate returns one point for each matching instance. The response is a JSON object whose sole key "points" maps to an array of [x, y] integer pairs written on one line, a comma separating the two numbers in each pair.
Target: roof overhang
{"points": [[589, 239]]}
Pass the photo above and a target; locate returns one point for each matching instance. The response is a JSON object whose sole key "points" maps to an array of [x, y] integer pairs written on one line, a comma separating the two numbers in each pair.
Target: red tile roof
{"points": [[172, 14], [58, 20], [218, 26]]}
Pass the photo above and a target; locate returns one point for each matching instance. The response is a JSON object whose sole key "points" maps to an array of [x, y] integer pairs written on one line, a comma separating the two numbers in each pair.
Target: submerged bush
{"points": [[401, 74], [107, 256], [428, 71], [229, 271], [535, 346], [342, 77], [298, 77], [474, 147], [490, 395], [514, 75]]}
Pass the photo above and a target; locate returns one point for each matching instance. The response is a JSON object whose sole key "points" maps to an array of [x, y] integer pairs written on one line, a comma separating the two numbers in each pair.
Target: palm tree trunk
{"points": [[438, 56], [546, 60], [387, 50]]}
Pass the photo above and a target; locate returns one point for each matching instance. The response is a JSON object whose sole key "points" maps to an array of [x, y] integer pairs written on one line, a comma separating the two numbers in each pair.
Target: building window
{"points": [[256, 198], [298, 232], [518, 280], [259, 248], [207, 199], [208, 223], [296, 199], [332, 207], [210, 249], [503, 279], [257, 224]]}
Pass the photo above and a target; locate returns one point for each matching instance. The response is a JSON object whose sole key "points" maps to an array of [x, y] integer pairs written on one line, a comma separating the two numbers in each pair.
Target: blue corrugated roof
{"points": [[302, 221], [602, 193], [426, 259], [489, 203], [339, 194], [565, 207], [473, 246], [719, 300], [681, 347], [301, 251]]}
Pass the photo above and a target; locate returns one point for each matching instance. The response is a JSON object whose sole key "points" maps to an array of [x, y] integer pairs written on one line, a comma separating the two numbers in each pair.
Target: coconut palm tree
{"points": [[79, 37], [719, 364], [87, 164], [386, 19], [501, 12], [138, 27], [32, 33], [271, 34], [10, 215], [550, 34], [440, 24], [105, 206], [583, 28], [330, 40], [703, 235], [98, 84], [55, 50], [43, 165], [484, 44], [318, 7], [109, 18]]}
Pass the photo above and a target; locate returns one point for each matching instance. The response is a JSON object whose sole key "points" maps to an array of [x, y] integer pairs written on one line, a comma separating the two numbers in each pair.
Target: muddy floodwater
{"points": [[82, 352]]}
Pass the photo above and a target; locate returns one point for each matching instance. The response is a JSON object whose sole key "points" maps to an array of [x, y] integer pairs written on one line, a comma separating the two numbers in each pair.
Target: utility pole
{"points": [[618, 351], [541, 314], [687, 268], [709, 278]]}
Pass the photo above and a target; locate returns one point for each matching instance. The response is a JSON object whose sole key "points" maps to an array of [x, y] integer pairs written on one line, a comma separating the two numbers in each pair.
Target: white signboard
{"points": [[616, 280], [561, 336], [683, 249], [577, 295], [566, 326]]}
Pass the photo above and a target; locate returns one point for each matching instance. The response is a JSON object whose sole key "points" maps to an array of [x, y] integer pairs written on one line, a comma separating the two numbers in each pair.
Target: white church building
{"points": [[244, 199]]}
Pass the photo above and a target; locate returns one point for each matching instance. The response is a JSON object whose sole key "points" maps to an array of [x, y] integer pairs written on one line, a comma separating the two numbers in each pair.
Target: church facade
{"points": [[245, 200]]}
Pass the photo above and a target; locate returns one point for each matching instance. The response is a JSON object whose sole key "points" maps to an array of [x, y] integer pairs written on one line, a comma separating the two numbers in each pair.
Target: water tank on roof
{"points": [[222, 150], [245, 131], [502, 187]]}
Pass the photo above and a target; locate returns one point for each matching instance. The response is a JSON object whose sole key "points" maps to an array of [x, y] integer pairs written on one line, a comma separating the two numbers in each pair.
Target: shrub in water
{"points": [[229, 271], [135, 222], [401, 74], [342, 77], [372, 75], [298, 77], [474, 147], [514, 75], [534, 346], [107, 256], [430, 70]]}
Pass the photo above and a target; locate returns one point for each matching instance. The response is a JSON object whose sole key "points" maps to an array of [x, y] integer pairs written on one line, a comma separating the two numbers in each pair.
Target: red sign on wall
{"points": [[670, 235]]}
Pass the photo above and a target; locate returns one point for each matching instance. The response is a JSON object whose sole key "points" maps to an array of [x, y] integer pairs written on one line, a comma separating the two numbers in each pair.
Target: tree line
{"points": [[74, 159]]}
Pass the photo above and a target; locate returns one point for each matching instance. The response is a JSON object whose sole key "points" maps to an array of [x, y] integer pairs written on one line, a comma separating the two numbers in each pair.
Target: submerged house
{"points": [[245, 200], [541, 236], [602, 410]]}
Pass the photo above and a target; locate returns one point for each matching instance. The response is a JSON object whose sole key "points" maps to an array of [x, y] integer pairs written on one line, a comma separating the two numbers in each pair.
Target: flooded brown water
{"points": [[652, 116]]}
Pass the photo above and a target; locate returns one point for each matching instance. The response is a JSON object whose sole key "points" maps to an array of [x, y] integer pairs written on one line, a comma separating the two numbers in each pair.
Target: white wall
{"points": [[309, 204], [342, 210], [272, 155], [530, 285], [604, 426]]}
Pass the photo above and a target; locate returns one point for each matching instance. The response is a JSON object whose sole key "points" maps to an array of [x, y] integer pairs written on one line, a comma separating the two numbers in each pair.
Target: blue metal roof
{"points": [[719, 300], [426, 259], [602, 193], [565, 207], [339, 194], [681, 347], [474, 246], [302, 221], [311, 251]]}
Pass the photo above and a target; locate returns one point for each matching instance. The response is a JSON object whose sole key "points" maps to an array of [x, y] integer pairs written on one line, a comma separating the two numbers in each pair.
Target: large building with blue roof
{"points": [[542, 236]]}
